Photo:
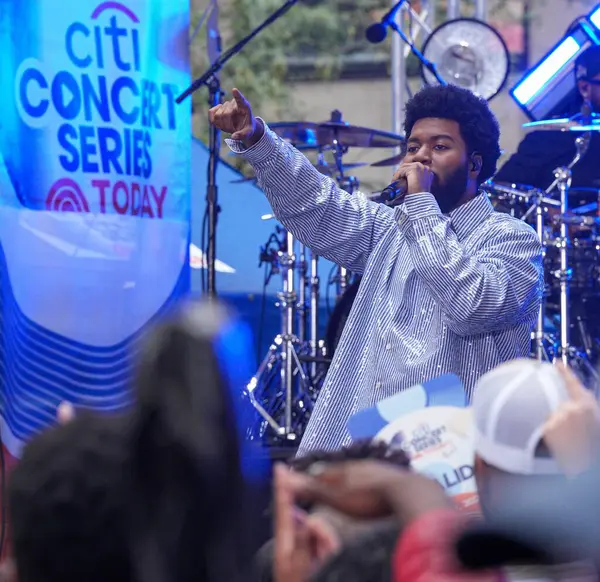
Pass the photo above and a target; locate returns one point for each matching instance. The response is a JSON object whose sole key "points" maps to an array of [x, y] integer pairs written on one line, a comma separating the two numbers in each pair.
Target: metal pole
{"points": [[302, 284], [213, 46], [540, 352], [481, 10], [564, 176], [398, 79], [453, 9], [314, 310], [288, 313], [428, 6]]}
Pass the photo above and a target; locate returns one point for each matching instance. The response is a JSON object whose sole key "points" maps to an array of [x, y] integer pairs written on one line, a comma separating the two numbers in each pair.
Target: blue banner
{"points": [[94, 197]]}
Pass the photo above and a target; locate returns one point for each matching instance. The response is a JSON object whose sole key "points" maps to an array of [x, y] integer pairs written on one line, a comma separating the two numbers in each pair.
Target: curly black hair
{"points": [[358, 451], [67, 507], [478, 125]]}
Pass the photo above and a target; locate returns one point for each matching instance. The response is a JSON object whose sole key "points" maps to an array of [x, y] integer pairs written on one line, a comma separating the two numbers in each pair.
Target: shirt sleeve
{"points": [[497, 286], [342, 227]]}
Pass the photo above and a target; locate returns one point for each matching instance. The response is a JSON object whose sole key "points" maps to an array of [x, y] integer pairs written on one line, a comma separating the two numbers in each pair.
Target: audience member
{"points": [[337, 538], [510, 408], [154, 495]]}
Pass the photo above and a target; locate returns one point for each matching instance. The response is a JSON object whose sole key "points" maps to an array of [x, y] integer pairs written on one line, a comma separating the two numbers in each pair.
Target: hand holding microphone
{"points": [[410, 178]]}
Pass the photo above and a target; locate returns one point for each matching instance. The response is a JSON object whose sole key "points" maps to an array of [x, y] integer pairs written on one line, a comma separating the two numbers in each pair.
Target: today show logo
{"points": [[106, 114]]}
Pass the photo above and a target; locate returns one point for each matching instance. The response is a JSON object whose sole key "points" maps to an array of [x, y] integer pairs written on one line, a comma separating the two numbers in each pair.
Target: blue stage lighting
{"points": [[535, 81], [549, 88], [594, 17]]}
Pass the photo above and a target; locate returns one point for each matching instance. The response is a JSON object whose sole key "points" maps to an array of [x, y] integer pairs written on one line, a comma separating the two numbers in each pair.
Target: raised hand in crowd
{"points": [[572, 433], [370, 489], [302, 544]]}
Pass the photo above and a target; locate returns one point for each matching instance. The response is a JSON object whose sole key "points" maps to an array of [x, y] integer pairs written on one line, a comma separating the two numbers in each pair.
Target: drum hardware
{"points": [[310, 135], [577, 220], [315, 283], [572, 265], [283, 400], [564, 274], [539, 334], [563, 177], [393, 161], [302, 285], [575, 123], [563, 183], [348, 183]]}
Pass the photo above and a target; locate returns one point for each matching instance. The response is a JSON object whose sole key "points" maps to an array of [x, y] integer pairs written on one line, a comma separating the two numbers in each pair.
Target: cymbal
{"points": [[328, 170], [564, 124], [318, 135], [393, 161]]}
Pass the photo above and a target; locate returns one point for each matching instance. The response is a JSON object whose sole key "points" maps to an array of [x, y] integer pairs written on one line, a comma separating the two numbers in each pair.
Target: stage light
{"points": [[535, 81], [594, 17], [549, 88]]}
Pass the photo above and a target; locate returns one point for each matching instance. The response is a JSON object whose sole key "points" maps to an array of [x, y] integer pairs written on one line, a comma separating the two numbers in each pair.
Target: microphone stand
{"points": [[210, 79], [426, 63]]}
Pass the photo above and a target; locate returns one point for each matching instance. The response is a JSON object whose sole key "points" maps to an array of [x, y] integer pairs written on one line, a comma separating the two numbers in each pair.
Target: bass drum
{"points": [[338, 317]]}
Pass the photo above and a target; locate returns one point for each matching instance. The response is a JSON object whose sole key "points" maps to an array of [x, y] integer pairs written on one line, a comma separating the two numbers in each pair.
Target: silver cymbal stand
{"points": [[315, 290], [563, 182], [539, 334], [563, 177], [275, 399], [302, 284], [538, 202]]}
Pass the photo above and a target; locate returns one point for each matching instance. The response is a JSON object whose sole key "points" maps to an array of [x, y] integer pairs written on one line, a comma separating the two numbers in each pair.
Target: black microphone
{"points": [[377, 32], [394, 191]]}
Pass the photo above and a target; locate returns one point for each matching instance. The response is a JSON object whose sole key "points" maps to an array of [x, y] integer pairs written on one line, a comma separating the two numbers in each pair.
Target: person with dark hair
{"points": [[448, 284], [478, 129], [359, 450], [343, 544], [66, 506], [154, 495], [541, 152]]}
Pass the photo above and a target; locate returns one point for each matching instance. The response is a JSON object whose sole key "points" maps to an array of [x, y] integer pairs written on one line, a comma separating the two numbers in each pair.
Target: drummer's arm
{"points": [[481, 291], [341, 227], [530, 164]]}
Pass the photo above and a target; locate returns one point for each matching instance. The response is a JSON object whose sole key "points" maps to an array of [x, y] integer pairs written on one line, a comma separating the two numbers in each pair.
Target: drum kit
{"points": [[288, 380]]}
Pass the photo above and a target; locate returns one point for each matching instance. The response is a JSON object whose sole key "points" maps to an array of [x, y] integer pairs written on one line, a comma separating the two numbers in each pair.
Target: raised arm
{"points": [[341, 227], [480, 291]]}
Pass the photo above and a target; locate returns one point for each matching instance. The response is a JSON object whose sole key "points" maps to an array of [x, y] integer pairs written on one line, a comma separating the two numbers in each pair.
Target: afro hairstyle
{"points": [[478, 125]]}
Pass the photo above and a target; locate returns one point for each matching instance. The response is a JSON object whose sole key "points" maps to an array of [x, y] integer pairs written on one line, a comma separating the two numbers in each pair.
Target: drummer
{"points": [[541, 152]]}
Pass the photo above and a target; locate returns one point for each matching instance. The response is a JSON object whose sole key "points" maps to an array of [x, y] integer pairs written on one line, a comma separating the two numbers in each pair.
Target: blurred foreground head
{"points": [[155, 494], [511, 405]]}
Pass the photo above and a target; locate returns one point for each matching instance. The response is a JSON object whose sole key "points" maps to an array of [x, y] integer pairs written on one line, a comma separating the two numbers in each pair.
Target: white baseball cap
{"points": [[510, 404]]}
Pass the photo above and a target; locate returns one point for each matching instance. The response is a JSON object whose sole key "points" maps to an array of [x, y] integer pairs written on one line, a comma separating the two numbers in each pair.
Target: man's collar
{"points": [[471, 214]]}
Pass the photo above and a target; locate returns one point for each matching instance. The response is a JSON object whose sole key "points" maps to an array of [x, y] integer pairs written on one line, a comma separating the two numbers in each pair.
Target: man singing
{"points": [[448, 284]]}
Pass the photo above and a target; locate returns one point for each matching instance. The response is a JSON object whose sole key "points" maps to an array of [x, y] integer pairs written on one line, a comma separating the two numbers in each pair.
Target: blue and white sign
{"points": [[94, 196]]}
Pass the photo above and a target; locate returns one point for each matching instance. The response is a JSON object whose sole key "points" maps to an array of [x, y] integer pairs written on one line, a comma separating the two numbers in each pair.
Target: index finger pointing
{"points": [[239, 98], [284, 513], [574, 387]]}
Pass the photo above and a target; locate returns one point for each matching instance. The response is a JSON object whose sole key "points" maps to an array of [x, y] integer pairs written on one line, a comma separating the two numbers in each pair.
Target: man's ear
{"points": [[476, 163]]}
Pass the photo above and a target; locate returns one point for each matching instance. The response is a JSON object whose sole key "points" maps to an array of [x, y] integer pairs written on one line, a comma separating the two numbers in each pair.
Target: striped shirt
{"points": [[440, 294]]}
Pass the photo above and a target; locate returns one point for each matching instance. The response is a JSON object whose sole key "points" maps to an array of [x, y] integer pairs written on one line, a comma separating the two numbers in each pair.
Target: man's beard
{"points": [[449, 194]]}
